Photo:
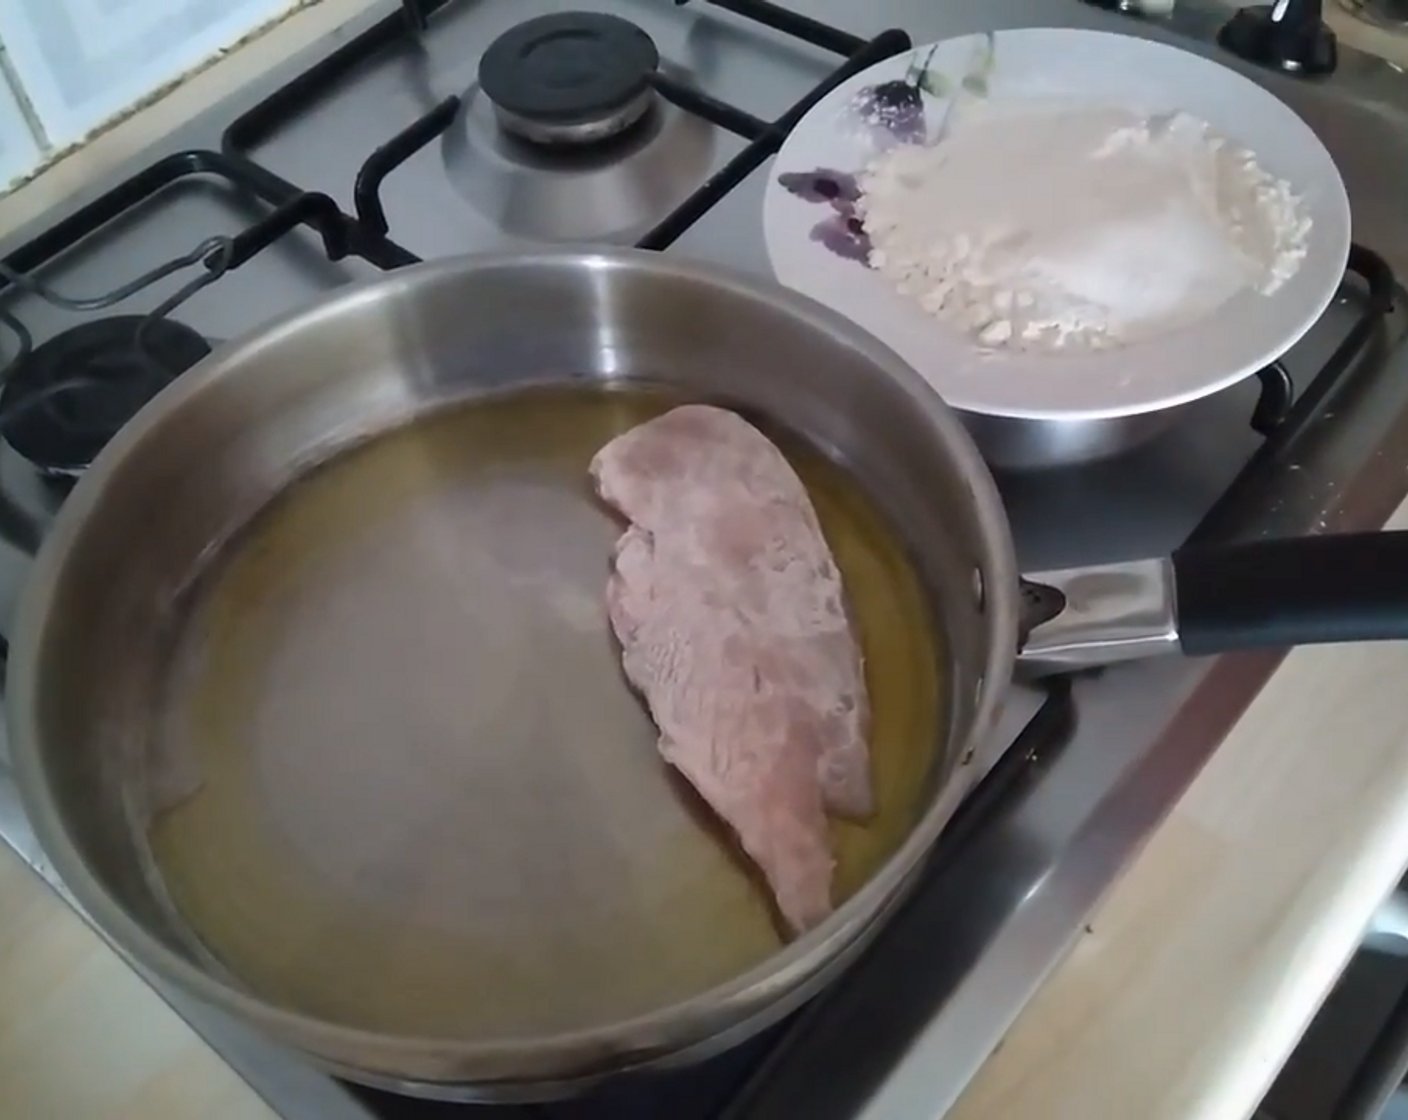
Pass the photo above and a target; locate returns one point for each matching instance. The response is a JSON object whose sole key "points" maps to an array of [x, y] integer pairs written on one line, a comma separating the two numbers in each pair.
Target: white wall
{"points": [[75, 64]]}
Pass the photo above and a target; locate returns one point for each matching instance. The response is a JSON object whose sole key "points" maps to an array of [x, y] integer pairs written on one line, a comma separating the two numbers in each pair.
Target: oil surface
{"points": [[429, 802]]}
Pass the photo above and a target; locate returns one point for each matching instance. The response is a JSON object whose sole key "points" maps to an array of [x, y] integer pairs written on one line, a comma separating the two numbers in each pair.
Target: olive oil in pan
{"points": [[430, 803]]}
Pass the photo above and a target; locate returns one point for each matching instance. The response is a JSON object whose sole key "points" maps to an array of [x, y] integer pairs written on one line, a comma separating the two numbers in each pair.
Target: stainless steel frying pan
{"points": [[314, 707]]}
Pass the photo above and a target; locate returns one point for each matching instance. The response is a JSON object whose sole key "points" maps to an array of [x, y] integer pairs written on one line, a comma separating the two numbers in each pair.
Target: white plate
{"points": [[1243, 335]]}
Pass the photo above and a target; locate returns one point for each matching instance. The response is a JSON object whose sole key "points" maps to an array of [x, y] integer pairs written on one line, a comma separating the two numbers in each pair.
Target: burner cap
{"points": [[63, 432], [575, 77]]}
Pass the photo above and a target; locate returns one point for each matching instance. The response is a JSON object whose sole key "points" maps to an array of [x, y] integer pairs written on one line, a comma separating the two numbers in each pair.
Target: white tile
{"points": [[18, 150], [83, 61]]}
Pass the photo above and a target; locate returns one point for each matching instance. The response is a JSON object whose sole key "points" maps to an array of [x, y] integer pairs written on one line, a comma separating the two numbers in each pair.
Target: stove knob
{"points": [[1288, 35]]}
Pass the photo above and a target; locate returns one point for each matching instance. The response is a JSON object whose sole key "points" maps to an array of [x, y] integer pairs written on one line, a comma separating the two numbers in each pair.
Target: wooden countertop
{"points": [[1388, 44], [1196, 978], [82, 1037]]}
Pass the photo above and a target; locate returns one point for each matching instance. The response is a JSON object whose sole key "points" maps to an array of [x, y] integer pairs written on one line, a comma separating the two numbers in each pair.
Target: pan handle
{"points": [[1209, 599], [1350, 587]]}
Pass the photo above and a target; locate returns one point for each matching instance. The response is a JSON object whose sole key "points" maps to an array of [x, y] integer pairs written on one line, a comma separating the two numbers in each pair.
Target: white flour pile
{"points": [[1082, 227]]}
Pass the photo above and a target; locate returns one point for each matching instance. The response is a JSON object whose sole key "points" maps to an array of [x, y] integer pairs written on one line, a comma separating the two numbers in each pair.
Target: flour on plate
{"points": [[1045, 229]]}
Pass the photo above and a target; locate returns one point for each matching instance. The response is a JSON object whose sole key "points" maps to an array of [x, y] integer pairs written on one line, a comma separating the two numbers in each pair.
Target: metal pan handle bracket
{"points": [[1211, 599], [1103, 615]]}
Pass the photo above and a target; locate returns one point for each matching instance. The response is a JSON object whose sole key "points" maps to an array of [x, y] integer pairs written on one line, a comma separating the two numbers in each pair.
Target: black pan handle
{"points": [[1350, 587]]}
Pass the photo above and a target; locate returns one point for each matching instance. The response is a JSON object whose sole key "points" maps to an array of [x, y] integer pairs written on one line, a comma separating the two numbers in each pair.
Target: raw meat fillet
{"points": [[732, 623]]}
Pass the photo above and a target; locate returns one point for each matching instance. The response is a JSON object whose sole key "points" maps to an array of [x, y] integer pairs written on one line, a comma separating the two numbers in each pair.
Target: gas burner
{"points": [[1391, 14], [571, 78], [116, 366], [612, 190]]}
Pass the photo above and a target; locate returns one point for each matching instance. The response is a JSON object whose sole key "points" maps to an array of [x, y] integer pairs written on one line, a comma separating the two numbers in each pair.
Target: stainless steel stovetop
{"points": [[1097, 761]]}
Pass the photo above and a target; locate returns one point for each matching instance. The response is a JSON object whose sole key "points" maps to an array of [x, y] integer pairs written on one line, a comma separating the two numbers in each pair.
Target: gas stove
{"points": [[426, 129]]}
